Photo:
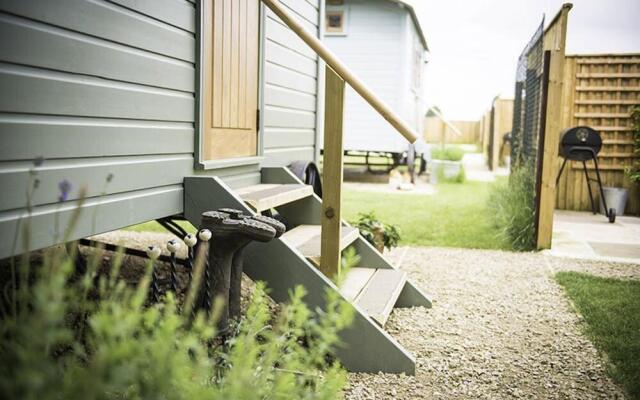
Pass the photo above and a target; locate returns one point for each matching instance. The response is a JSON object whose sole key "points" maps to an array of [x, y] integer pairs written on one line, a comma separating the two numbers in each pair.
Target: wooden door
{"points": [[230, 78]]}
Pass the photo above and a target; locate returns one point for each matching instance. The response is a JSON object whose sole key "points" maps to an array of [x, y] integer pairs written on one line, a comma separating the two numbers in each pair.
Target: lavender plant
{"points": [[91, 336], [64, 344]]}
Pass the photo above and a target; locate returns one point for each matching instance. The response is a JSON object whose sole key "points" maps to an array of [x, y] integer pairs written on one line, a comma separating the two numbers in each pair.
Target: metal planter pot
{"points": [[450, 169], [616, 199]]}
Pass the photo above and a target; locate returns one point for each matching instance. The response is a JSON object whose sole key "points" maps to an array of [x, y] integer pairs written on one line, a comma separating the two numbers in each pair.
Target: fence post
{"points": [[554, 41], [332, 174]]}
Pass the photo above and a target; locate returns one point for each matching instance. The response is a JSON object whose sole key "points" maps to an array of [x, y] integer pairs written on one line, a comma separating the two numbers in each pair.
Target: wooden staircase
{"points": [[266, 196], [374, 290], [306, 239], [374, 287]]}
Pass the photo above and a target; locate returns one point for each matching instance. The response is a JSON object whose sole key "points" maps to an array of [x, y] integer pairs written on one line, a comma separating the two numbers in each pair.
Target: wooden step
{"points": [[306, 238], [355, 281], [267, 196], [379, 293]]}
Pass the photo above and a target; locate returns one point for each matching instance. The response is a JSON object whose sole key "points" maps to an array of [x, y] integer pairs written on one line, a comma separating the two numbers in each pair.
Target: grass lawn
{"points": [[453, 217], [611, 309]]}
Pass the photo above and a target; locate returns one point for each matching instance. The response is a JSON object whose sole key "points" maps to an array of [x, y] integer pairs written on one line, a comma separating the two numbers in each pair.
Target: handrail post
{"points": [[332, 174]]}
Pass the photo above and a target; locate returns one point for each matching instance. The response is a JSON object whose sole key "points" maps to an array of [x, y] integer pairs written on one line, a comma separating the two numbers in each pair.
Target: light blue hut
{"points": [[150, 109], [382, 41]]}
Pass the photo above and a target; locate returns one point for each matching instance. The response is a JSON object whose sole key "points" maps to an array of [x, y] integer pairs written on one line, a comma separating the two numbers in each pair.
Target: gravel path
{"points": [[500, 327]]}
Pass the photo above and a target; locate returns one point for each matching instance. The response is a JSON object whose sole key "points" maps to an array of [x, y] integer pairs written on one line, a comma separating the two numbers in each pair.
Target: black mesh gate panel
{"points": [[527, 104]]}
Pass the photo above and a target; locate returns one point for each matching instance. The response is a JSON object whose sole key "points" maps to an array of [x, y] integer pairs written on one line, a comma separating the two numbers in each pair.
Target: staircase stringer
{"points": [[366, 347], [308, 210]]}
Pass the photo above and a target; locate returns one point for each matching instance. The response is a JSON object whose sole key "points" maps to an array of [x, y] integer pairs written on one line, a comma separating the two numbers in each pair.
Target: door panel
{"points": [[230, 78]]}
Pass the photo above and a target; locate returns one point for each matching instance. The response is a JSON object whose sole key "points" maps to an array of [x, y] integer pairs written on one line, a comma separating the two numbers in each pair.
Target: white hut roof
{"points": [[407, 4]]}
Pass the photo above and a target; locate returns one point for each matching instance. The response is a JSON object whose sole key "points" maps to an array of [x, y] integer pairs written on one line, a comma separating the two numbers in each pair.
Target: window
{"points": [[335, 21]]}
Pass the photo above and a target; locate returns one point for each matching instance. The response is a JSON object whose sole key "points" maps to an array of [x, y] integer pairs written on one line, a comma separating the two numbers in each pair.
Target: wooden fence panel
{"points": [[485, 131], [502, 123], [603, 89], [435, 128]]}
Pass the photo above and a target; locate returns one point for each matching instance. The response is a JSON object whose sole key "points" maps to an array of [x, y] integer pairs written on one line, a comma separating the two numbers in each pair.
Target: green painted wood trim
{"points": [[108, 21], [27, 136], [45, 46], [178, 13], [308, 210], [97, 215], [367, 348], [39, 91], [98, 176]]}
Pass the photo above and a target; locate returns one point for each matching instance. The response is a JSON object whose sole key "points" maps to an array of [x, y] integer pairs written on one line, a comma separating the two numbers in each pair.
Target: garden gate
{"points": [[537, 117]]}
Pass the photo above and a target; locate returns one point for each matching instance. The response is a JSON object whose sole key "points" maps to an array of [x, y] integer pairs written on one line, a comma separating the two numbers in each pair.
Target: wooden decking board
{"points": [[306, 238], [380, 294], [266, 196], [355, 281]]}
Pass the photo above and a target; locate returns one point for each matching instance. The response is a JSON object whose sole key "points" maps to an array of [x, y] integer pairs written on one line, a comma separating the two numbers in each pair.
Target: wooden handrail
{"points": [[342, 70]]}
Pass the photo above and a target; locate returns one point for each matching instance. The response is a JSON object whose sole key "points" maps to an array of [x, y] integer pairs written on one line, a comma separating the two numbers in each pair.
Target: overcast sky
{"points": [[475, 44]]}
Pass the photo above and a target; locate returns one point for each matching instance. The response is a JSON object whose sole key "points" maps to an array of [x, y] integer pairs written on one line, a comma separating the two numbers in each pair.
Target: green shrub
{"points": [[96, 338], [634, 170], [448, 153], [511, 208]]}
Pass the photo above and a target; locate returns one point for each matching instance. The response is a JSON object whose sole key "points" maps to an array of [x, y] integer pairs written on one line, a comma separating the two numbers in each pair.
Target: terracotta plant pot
{"points": [[378, 238]]}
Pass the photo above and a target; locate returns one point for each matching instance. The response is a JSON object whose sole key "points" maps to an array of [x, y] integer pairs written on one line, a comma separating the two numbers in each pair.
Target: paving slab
{"points": [[585, 235]]}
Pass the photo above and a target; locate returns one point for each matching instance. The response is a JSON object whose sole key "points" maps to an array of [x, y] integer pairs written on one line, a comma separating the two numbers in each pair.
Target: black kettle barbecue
{"points": [[582, 143]]}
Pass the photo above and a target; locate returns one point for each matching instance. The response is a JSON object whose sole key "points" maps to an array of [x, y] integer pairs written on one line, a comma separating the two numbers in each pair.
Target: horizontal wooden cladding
{"points": [[606, 101], [610, 75], [26, 137], [290, 79], [291, 68], [608, 89], [37, 91], [602, 115], [276, 31], [302, 9], [284, 156], [284, 137], [613, 128], [618, 141], [603, 167], [179, 13], [41, 45], [283, 97], [128, 173], [616, 155], [111, 22], [97, 215], [614, 59], [287, 118], [287, 58]]}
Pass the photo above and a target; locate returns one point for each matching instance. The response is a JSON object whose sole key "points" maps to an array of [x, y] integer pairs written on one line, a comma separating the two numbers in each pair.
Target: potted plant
{"points": [[376, 232], [447, 164]]}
